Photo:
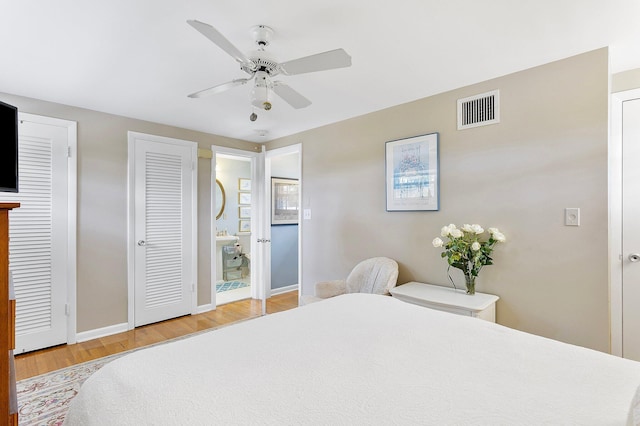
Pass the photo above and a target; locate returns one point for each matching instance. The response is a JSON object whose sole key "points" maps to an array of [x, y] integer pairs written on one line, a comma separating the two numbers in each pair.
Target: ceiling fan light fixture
{"points": [[260, 98], [260, 95]]}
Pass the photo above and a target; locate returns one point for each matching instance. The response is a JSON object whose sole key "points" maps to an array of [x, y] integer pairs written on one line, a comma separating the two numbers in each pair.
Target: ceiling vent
{"points": [[479, 110]]}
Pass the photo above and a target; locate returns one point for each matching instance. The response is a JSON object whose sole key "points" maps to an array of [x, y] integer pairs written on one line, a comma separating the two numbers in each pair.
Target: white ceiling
{"points": [[140, 59]]}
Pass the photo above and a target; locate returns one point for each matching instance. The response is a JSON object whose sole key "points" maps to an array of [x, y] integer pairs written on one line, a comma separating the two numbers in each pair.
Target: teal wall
{"points": [[284, 255]]}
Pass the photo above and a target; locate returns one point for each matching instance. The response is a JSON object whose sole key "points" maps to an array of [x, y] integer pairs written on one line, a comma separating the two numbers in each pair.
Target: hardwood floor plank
{"points": [[50, 359]]}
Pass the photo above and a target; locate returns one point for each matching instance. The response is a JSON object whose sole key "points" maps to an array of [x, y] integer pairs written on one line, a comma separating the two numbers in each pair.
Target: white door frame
{"points": [[72, 223], [131, 236], [287, 150], [257, 291], [260, 223], [615, 217]]}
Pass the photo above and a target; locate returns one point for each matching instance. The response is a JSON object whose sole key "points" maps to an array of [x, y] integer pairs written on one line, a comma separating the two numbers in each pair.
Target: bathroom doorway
{"points": [[232, 230], [246, 260]]}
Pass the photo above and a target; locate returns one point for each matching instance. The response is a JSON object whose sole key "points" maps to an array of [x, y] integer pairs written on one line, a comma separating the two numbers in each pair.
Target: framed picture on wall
{"points": [[244, 212], [244, 226], [244, 184], [412, 173], [285, 196], [244, 198]]}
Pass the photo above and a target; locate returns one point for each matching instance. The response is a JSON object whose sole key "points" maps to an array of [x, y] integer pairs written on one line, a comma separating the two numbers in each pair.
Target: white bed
{"points": [[360, 359]]}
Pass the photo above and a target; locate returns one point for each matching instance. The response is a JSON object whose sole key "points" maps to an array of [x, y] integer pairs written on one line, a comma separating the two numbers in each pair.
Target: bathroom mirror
{"points": [[221, 199]]}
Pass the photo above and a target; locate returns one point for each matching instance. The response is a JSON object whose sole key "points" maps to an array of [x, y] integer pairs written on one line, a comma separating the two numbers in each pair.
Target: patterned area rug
{"points": [[230, 285], [44, 399]]}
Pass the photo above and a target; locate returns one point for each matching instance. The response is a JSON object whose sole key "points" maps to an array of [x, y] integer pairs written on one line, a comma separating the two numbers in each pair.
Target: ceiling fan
{"points": [[262, 66]]}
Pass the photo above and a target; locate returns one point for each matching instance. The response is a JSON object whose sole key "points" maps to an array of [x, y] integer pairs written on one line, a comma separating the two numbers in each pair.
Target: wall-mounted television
{"points": [[8, 148]]}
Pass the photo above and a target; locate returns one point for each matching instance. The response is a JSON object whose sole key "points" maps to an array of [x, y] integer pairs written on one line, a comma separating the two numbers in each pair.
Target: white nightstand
{"points": [[480, 305]]}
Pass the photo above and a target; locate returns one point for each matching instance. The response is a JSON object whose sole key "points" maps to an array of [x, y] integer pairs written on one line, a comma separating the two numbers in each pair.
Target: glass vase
{"points": [[470, 281]]}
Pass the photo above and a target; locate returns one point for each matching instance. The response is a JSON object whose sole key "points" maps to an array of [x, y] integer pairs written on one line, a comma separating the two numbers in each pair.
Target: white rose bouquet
{"points": [[466, 251]]}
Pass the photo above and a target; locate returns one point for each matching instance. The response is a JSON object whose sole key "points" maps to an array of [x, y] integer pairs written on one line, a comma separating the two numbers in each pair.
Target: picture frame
{"points": [[412, 173], [244, 198], [285, 199], [244, 226], [244, 184], [244, 212]]}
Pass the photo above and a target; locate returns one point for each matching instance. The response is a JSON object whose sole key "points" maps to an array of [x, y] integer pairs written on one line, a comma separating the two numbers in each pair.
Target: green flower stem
{"points": [[470, 282]]}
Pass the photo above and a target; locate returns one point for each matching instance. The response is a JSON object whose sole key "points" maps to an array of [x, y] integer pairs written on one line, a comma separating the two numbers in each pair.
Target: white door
{"points": [[162, 238], [42, 233], [631, 229], [262, 224]]}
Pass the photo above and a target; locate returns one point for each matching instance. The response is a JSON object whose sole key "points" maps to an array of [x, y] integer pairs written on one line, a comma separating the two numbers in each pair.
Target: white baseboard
{"points": [[286, 289], [121, 328], [204, 308], [102, 332]]}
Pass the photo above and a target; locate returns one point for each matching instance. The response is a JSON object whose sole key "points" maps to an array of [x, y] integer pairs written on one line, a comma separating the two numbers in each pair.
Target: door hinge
{"points": [[67, 309], [68, 152], [193, 288]]}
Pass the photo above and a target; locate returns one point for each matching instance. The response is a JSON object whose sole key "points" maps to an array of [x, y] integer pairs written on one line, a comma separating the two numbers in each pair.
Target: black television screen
{"points": [[8, 148]]}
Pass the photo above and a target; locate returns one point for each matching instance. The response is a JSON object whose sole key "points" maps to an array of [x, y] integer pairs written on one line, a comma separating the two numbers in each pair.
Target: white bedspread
{"points": [[360, 359]]}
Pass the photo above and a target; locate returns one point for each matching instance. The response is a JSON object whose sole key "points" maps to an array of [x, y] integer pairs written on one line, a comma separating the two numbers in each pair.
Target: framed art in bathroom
{"points": [[244, 226], [244, 198], [412, 173], [244, 184], [244, 212]]}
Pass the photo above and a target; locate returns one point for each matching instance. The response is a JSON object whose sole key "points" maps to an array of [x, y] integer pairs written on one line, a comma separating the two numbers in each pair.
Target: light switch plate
{"points": [[307, 214], [572, 216]]}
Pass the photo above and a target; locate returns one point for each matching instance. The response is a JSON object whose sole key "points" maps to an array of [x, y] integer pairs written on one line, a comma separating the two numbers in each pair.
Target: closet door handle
{"points": [[142, 243], [634, 257]]}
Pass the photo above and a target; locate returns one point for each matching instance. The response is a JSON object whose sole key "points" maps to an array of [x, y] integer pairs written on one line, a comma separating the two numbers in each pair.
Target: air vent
{"points": [[479, 110]]}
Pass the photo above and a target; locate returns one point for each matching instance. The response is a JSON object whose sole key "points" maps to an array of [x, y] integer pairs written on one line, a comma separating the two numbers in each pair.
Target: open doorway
{"points": [[242, 204], [283, 172], [232, 228], [285, 222]]}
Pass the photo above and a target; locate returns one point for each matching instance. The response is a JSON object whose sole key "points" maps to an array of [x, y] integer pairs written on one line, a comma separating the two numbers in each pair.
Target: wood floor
{"points": [[46, 360]]}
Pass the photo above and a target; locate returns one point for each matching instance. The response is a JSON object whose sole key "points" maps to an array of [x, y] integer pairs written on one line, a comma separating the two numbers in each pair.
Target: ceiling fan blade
{"points": [[219, 88], [215, 36], [337, 58], [290, 96]]}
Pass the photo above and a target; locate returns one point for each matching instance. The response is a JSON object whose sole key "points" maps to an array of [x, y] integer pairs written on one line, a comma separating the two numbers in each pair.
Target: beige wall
{"points": [[549, 152], [102, 206]]}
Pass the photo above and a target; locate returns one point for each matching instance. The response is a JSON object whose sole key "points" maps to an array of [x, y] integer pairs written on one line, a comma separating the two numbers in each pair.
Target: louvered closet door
{"points": [[163, 247], [38, 237]]}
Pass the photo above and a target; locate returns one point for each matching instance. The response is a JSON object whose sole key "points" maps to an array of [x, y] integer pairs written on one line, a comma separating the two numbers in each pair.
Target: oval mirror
{"points": [[220, 199]]}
